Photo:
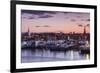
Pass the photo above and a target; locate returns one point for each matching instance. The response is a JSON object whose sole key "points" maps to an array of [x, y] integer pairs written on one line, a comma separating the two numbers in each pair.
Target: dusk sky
{"points": [[54, 21]]}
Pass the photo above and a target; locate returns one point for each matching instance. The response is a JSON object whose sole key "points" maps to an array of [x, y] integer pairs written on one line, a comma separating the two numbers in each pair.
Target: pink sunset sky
{"points": [[54, 21]]}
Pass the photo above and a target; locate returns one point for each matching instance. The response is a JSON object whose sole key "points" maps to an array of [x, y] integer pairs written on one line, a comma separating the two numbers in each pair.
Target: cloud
{"points": [[42, 26], [31, 18], [66, 12], [27, 16], [78, 16], [80, 25], [45, 16], [46, 26], [37, 26], [85, 19], [88, 25], [34, 14], [73, 20], [51, 12]]}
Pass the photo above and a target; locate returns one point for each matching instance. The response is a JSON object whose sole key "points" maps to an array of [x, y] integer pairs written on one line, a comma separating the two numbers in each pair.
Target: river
{"points": [[44, 55]]}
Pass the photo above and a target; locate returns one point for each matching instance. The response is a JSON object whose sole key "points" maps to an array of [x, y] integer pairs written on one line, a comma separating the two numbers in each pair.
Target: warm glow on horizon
{"points": [[54, 21]]}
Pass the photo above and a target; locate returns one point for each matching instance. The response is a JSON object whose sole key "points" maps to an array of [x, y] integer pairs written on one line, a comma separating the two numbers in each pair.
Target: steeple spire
{"points": [[28, 32], [84, 30], [84, 33]]}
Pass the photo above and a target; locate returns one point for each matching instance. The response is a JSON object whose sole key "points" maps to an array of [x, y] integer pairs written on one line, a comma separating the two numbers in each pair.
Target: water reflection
{"points": [[37, 55]]}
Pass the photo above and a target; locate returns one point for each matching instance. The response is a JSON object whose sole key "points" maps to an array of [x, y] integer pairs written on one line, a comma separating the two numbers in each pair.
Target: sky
{"points": [[54, 21]]}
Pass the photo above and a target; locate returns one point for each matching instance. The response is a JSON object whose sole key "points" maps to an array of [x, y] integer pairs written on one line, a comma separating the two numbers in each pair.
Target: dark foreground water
{"points": [[37, 55]]}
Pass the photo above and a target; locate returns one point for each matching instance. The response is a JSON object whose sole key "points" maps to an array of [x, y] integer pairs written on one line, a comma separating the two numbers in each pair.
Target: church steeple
{"points": [[84, 33], [28, 31]]}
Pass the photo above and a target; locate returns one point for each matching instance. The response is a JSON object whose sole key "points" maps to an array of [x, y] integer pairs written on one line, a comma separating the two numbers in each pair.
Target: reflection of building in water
{"points": [[87, 56], [72, 55]]}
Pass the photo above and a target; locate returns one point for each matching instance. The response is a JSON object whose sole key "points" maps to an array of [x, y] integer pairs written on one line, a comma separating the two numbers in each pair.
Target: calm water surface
{"points": [[37, 55]]}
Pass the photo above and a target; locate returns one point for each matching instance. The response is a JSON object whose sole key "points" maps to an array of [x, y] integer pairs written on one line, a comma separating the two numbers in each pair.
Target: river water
{"points": [[44, 55]]}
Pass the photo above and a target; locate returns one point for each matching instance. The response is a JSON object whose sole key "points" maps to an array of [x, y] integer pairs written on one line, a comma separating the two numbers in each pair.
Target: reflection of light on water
{"points": [[87, 56], [38, 55], [72, 56]]}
